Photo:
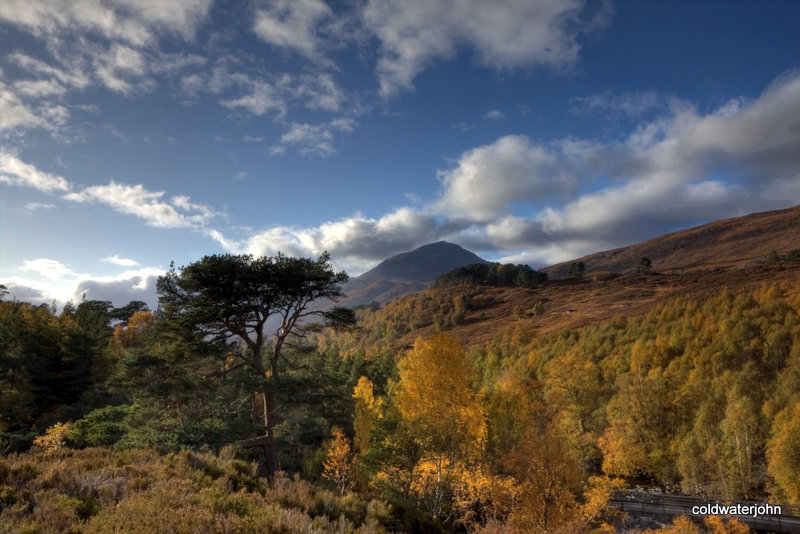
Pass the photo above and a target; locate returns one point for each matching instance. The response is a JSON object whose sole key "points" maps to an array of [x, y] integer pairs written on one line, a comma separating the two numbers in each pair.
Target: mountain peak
{"points": [[407, 272], [424, 263]]}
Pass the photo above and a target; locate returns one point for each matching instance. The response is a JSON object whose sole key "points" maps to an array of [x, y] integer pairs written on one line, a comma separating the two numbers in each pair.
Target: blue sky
{"points": [[138, 132]]}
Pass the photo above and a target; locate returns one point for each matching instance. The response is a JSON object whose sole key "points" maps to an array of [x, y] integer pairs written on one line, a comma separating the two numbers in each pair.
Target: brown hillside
{"points": [[718, 244], [572, 303], [728, 255]]}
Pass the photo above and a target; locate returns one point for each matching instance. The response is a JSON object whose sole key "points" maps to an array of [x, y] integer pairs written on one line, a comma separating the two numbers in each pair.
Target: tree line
{"points": [[525, 433]]}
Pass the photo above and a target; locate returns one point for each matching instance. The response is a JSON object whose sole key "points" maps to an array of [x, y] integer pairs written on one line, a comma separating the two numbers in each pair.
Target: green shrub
{"points": [[104, 426]]}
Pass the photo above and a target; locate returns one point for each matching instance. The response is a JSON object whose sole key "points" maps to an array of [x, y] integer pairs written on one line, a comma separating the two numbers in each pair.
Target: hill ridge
{"points": [[721, 243]]}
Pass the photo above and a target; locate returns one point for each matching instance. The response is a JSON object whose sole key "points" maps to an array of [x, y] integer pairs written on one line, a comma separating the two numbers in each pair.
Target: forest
{"points": [[239, 406]]}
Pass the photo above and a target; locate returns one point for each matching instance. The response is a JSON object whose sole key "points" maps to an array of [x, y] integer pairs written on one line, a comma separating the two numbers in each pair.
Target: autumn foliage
{"points": [[526, 432]]}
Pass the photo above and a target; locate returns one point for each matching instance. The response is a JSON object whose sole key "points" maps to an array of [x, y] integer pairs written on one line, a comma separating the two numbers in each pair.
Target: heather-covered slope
{"points": [[717, 244]]}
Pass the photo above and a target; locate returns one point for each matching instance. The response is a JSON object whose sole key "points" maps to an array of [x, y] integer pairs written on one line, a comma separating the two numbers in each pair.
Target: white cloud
{"points": [[51, 269], [14, 171], [132, 21], [229, 245], [121, 68], [275, 94], [112, 43], [148, 205], [39, 88], [138, 284], [487, 179], [71, 76], [124, 262], [261, 98], [628, 104], [182, 17], [59, 283], [276, 150], [22, 106], [294, 24], [495, 115], [355, 242], [314, 139], [53, 18], [320, 92], [462, 126], [32, 207], [662, 179], [504, 34], [55, 116], [14, 113], [116, 45]]}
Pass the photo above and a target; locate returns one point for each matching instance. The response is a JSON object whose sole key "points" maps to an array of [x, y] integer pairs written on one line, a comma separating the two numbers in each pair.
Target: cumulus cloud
{"points": [[58, 283], [121, 289], [135, 200], [14, 171], [52, 269], [505, 34], [662, 177], [487, 179], [355, 242], [28, 291]]}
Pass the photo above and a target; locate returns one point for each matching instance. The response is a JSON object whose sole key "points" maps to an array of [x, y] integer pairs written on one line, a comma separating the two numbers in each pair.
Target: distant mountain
{"points": [[724, 243], [407, 272], [733, 255]]}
